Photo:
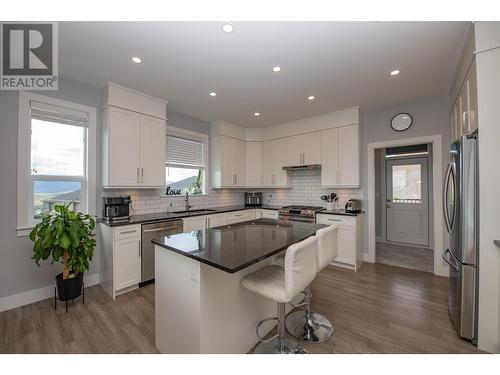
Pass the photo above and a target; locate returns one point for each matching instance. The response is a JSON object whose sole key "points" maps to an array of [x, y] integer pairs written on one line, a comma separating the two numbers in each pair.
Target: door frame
{"points": [[437, 182], [421, 160]]}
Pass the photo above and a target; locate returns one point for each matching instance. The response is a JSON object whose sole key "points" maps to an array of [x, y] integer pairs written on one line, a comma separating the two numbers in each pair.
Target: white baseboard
{"points": [[31, 296], [366, 258]]}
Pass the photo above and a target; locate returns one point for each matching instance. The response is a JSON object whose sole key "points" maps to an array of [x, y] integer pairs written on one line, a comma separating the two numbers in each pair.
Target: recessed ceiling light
{"points": [[137, 60], [394, 72], [276, 68], [227, 28], [310, 97], [213, 93], [257, 114]]}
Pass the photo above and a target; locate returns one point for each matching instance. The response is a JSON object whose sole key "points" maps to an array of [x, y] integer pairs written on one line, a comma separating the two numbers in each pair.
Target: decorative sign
{"points": [[171, 191]]}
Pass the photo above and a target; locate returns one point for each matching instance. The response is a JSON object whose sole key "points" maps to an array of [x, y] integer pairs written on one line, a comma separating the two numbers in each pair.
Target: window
{"points": [[56, 157], [407, 183], [185, 163]]}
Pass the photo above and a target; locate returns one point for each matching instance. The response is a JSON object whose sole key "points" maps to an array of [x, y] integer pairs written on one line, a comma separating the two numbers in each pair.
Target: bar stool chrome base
{"points": [[315, 329], [288, 346]]}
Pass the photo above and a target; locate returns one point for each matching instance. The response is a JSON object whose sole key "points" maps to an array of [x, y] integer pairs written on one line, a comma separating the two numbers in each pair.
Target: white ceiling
{"points": [[342, 64]]}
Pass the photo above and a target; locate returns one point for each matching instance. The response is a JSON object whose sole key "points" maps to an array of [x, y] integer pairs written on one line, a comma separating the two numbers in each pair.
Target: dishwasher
{"points": [[150, 232]]}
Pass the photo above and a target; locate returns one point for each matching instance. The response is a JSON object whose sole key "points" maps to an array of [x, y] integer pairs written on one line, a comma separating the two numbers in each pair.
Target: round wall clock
{"points": [[401, 122]]}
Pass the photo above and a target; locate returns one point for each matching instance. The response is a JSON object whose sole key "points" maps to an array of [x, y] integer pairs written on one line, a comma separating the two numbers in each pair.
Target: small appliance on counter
{"points": [[116, 209], [353, 206], [253, 199]]}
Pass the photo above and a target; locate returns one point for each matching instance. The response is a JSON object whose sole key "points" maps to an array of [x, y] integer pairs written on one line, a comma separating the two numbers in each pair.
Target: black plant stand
{"points": [[56, 297]]}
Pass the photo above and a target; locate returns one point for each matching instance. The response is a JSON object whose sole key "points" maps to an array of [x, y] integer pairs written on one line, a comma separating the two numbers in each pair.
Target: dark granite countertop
{"points": [[232, 248], [165, 216], [340, 212]]}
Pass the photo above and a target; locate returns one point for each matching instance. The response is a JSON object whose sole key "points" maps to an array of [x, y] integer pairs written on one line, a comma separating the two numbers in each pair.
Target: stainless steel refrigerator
{"points": [[461, 205]]}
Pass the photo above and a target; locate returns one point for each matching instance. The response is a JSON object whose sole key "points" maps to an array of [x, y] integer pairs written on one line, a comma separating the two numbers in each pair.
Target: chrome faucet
{"points": [[187, 201]]}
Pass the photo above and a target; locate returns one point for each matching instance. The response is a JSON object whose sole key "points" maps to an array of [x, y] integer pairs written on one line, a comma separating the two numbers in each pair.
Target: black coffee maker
{"points": [[116, 209]]}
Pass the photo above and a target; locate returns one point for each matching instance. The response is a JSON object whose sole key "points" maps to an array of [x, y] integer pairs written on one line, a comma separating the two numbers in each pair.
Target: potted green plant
{"points": [[66, 236]]}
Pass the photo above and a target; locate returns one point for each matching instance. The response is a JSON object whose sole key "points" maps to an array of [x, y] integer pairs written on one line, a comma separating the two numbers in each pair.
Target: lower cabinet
{"points": [[349, 237], [120, 261], [128, 262], [262, 213]]}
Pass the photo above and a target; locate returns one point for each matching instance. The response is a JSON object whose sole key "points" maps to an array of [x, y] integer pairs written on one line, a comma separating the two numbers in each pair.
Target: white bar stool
{"points": [[282, 284], [304, 324]]}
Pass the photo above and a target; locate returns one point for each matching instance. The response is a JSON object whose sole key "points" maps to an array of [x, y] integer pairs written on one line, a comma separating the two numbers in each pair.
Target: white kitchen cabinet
{"points": [[227, 162], [238, 216], [128, 262], [262, 213], [349, 238], [133, 141], [464, 110], [340, 157], [215, 220], [304, 149], [120, 259], [253, 164], [194, 223], [153, 133], [133, 149], [273, 161]]}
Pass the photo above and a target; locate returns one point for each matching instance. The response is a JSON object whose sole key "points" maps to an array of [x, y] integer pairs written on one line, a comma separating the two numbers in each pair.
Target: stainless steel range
{"points": [[305, 214]]}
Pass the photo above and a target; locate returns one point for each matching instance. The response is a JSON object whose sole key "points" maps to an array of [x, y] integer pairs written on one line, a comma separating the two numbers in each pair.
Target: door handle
{"points": [[140, 250], [137, 175], [142, 174], [160, 229], [445, 196], [447, 260]]}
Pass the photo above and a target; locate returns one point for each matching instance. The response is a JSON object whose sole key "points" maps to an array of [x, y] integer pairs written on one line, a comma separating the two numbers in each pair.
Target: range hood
{"points": [[302, 167]]}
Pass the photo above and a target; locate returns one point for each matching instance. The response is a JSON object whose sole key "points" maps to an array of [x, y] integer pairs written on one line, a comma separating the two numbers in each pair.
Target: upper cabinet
{"points": [[463, 93], [255, 157], [464, 111], [253, 164], [133, 140], [228, 158], [340, 157], [273, 161], [304, 149]]}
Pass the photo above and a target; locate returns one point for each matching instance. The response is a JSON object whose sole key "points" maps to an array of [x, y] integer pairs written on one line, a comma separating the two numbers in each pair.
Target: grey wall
{"points": [[187, 123], [430, 117], [18, 273]]}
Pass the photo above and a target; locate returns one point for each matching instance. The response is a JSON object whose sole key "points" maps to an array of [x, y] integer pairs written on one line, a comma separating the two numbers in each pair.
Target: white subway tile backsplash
{"points": [[306, 189]]}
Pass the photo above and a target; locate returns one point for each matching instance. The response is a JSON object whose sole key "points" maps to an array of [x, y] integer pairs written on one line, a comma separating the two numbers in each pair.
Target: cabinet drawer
{"points": [[239, 216], [127, 231], [336, 219], [269, 214]]}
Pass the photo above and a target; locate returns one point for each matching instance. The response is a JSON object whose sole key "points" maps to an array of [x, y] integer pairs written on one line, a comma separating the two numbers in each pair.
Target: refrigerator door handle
{"points": [[446, 214], [449, 261]]}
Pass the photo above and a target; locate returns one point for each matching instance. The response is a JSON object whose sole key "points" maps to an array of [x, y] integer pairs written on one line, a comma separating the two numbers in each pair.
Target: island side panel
{"points": [[177, 303], [230, 313]]}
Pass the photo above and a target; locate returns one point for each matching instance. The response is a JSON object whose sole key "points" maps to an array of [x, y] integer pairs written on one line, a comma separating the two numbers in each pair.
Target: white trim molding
{"points": [[24, 223], [32, 296], [437, 180]]}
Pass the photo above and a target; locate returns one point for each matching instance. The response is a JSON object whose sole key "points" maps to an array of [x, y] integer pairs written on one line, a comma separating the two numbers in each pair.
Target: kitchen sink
{"points": [[203, 211]]}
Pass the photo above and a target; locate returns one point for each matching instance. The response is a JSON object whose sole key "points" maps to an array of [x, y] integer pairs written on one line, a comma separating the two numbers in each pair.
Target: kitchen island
{"points": [[200, 305]]}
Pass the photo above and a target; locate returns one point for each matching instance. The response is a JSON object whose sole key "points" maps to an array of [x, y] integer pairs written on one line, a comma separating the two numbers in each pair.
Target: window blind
{"points": [[184, 152], [53, 113]]}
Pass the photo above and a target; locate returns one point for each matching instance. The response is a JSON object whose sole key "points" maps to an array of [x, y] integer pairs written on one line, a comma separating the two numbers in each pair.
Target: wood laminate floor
{"points": [[379, 309], [413, 257]]}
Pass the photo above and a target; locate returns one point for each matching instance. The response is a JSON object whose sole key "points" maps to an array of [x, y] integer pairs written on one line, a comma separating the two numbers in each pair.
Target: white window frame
{"points": [[24, 179], [195, 136]]}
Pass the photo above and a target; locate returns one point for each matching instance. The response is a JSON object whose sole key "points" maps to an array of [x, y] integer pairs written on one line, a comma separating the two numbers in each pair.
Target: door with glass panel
{"points": [[408, 201]]}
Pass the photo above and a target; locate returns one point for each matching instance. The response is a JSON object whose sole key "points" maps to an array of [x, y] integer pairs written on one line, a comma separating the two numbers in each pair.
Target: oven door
{"points": [[299, 219]]}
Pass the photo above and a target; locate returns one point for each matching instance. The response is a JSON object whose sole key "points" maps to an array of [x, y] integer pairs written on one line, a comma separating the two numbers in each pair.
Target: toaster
{"points": [[353, 205]]}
